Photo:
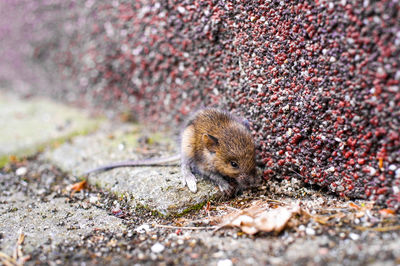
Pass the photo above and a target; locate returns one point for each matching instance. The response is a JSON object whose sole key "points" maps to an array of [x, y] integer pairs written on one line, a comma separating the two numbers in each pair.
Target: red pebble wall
{"points": [[319, 81]]}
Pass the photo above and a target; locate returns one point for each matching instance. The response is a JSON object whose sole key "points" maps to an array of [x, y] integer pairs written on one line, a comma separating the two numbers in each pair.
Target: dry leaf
{"points": [[387, 212], [78, 186], [354, 206], [21, 238], [13, 158], [261, 218], [361, 210], [322, 219], [276, 219]]}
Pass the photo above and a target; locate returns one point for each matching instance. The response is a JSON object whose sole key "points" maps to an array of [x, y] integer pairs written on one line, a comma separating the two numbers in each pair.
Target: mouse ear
{"points": [[246, 123], [210, 142]]}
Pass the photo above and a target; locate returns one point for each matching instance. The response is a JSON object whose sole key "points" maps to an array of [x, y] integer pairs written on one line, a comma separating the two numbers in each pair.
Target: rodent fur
{"points": [[218, 146]]}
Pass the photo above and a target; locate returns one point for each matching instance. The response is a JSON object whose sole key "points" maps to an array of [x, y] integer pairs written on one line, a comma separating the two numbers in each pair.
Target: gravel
{"points": [[349, 236]]}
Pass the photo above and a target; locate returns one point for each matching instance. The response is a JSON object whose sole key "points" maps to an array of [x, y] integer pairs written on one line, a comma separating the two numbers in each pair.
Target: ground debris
{"points": [[18, 257], [261, 217], [77, 187]]}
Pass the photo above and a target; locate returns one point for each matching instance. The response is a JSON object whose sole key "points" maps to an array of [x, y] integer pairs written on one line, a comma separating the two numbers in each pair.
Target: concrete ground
{"points": [[144, 215]]}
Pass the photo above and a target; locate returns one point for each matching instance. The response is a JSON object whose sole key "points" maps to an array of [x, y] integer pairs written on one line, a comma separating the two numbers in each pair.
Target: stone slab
{"points": [[47, 224], [29, 125], [155, 188]]}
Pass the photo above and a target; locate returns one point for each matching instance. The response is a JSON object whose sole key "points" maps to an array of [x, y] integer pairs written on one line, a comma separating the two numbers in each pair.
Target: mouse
{"points": [[215, 145]]}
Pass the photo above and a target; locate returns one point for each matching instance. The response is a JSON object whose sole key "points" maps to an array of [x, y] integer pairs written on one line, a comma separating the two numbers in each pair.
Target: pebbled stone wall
{"points": [[318, 80]]}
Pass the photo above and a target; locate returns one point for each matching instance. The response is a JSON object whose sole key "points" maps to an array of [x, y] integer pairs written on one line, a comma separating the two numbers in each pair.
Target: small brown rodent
{"points": [[214, 145], [217, 145]]}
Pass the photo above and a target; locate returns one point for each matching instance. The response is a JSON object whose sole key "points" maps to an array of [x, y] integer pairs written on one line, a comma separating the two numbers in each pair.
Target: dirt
{"points": [[352, 232]]}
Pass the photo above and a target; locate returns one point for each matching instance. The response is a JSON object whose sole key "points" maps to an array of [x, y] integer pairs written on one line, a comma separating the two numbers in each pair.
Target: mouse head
{"points": [[233, 155]]}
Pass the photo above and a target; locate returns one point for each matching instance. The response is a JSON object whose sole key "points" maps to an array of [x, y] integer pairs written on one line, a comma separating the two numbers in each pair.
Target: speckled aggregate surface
{"points": [[318, 80]]}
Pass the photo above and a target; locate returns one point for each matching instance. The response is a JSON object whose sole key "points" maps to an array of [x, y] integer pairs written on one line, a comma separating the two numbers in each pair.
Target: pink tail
{"points": [[145, 162]]}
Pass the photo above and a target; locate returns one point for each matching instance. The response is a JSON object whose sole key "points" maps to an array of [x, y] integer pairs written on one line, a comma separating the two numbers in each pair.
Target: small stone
{"points": [[225, 262], [331, 169], [372, 171], [354, 236], [93, 199], [181, 9], [340, 188], [141, 256], [157, 248], [397, 173], [21, 171], [310, 231], [143, 228]]}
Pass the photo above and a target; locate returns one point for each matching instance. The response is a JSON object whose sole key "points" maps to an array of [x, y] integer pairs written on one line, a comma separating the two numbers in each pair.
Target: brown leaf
{"points": [[354, 206], [387, 212], [21, 238], [322, 219], [78, 186], [361, 210], [276, 219], [13, 158], [260, 217]]}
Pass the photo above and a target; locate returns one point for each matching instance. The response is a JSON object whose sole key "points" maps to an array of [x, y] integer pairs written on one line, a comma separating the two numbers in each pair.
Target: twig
{"points": [[379, 229], [18, 249], [7, 260], [17, 259], [184, 227], [276, 201]]}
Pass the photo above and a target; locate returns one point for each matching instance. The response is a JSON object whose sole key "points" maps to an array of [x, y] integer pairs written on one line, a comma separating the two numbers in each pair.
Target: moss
{"points": [[195, 207], [140, 206], [4, 160]]}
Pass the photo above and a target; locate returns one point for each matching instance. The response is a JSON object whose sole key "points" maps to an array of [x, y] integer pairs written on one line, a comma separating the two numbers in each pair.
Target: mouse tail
{"points": [[132, 163]]}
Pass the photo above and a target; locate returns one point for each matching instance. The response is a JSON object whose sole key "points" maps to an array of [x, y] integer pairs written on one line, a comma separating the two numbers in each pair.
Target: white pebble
{"points": [[181, 9], [372, 171], [93, 199], [310, 231], [331, 169], [397, 173], [143, 228], [225, 262], [157, 248], [21, 171], [354, 236]]}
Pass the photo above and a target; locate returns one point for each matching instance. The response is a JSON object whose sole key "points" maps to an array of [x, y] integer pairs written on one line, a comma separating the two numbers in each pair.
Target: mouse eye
{"points": [[234, 164]]}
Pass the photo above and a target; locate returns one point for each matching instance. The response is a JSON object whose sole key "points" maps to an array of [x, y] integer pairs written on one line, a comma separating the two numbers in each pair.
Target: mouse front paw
{"points": [[190, 181]]}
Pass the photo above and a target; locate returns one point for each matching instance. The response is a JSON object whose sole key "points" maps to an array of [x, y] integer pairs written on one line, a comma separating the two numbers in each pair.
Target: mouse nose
{"points": [[248, 180], [253, 178]]}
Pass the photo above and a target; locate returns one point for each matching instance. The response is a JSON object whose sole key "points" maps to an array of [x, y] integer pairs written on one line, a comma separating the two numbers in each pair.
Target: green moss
{"points": [[140, 206], [192, 208], [196, 207], [4, 160]]}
